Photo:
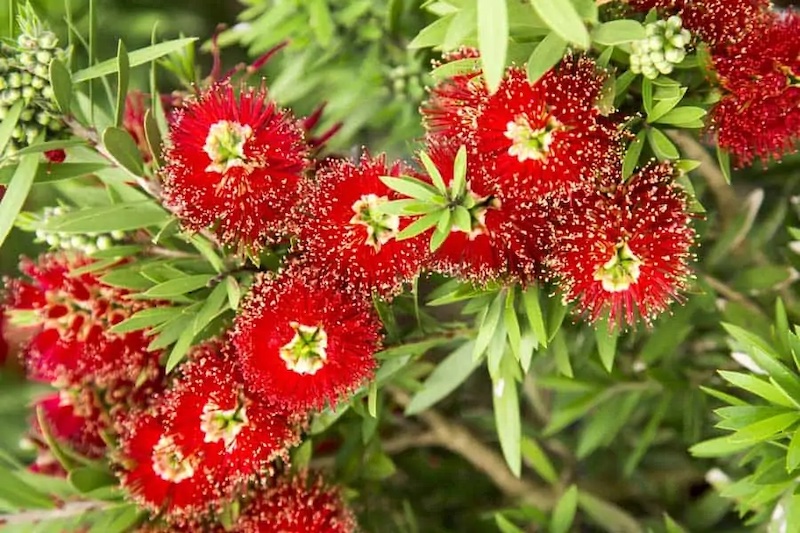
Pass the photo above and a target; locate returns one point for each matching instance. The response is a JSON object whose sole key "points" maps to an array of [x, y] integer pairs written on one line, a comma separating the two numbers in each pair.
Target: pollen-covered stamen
{"points": [[621, 271], [169, 462], [381, 227], [223, 424], [528, 142], [306, 352], [225, 145]]}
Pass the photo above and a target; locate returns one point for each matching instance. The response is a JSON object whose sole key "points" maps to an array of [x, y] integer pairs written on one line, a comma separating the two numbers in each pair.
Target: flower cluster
{"points": [[662, 49], [25, 78]]}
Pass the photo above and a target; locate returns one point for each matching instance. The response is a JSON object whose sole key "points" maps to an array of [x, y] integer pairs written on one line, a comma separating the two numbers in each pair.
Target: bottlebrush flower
{"points": [[347, 240], [300, 344], [451, 110], [621, 249], [72, 421], [759, 113], [297, 504], [73, 345], [509, 233], [718, 22], [205, 440], [549, 135], [234, 163]]}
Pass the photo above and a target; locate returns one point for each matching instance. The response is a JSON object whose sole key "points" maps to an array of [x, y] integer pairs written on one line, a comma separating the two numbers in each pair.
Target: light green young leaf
{"points": [[16, 193], [489, 323], [212, 307], [558, 347], [661, 145], [685, 116], [8, 124], [446, 377], [632, 155], [179, 286], [119, 217], [724, 159], [757, 386], [505, 525], [536, 457], [618, 32], [493, 40], [459, 183], [51, 172], [506, 414], [793, 453], [562, 17], [545, 56], [180, 349], [533, 310], [432, 35], [144, 319], [564, 512], [765, 429], [136, 58], [606, 344], [411, 187], [718, 447], [234, 292]]}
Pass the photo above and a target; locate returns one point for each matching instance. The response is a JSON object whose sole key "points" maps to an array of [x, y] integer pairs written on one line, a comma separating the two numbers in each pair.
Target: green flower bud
{"points": [[104, 242], [41, 71], [44, 57], [674, 55], [656, 57], [48, 93], [677, 41], [117, 235], [14, 79], [26, 59], [26, 78], [675, 22], [52, 239], [55, 126], [77, 241], [656, 43], [47, 40], [89, 248], [28, 93], [43, 118], [38, 83], [665, 67], [26, 115]]}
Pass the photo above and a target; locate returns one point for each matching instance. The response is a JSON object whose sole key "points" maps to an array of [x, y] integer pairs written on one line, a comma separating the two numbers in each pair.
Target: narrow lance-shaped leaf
{"points": [[545, 56], [61, 82], [16, 193], [410, 187], [123, 72], [136, 58], [564, 513], [561, 17], [8, 124], [121, 146], [506, 414], [433, 172], [493, 40]]}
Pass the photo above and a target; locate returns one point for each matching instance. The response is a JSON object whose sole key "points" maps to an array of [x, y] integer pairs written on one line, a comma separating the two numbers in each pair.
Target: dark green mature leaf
{"points": [[8, 124], [61, 81], [120, 217], [647, 437], [16, 193], [50, 172], [144, 319], [661, 145], [618, 32], [446, 377], [123, 149], [545, 56], [506, 414], [564, 512], [21, 495], [684, 117], [606, 344], [136, 58], [562, 17], [123, 72], [493, 40], [179, 286]]}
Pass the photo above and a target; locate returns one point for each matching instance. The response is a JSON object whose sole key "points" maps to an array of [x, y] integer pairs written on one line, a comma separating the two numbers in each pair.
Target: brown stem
{"points": [[42, 515], [733, 295]]}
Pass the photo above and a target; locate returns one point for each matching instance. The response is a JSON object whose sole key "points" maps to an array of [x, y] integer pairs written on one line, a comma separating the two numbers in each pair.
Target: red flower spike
{"points": [[621, 249], [298, 504], [73, 345], [346, 240], [55, 156], [451, 110], [300, 344], [759, 113], [234, 163], [549, 135], [206, 440], [509, 234], [71, 423]]}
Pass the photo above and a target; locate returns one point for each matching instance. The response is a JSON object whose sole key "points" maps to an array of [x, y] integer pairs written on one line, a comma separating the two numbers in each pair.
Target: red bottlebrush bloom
{"points": [[73, 345], [759, 113], [234, 163], [297, 504], [301, 344], [3, 343], [347, 240], [451, 110], [549, 135], [56, 156], [206, 440], [509, 232], [133, 121], [718, 22], [73, 423], [622, 249]]}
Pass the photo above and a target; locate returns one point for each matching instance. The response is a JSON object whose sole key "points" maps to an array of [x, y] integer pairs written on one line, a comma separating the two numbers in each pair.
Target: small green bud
{"points": [[15, 79], [52, 239], [48, 93], [28, 93], [657, 57], [26, 115], [55, 126], [43, 118], [26, 59], [677, 41], [674, 22], [77, 241], [89, 248], [41, 71], [117, 235], [674, 55], [44, 57], [38, 83], [655, 43], [26, 78], [104, 242]]}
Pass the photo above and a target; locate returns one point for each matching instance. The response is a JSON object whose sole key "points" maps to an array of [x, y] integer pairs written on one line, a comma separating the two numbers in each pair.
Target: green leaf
{"points": [[632, 155], [443, 227], [664, 106], [21, 495], [445, 378], [757, 386], [648, 435], [793, 453], [535, 456], [8, 124], [505, 525], [378, 466], [211, 307], [118, 519], [234, 292], [144, 319], [86, 479], [661, 145], [433, 173], [123, 150], [420, 225], [685, 116], [321, 22], [564, 512], [606, 344], [606, 422], [136, 58], [180, 349], [411, 187], [459, 183], [61, 82], [119, 217], [493, 40], [152, 136], [561, 17], [431, 35], [179, 286], [533, 310], [545, 56], [50, 172], [608, 516], [560, 352], [724, 159], [718, 447], [123, 71], [16, 193], [488, 324], [455, 68], [506, 414], [672, 526], [462, 219], [512, 325], [618, 32], [765, 429], [647, 95]]}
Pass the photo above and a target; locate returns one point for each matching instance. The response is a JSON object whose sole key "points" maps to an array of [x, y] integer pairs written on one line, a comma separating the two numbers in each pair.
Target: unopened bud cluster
{"points": [[25, 76], [662, 49], [86, 243]]}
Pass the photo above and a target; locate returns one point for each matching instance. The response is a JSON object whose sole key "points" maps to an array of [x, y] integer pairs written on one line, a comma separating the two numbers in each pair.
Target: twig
{"points": [[392, 446], [727, 201], [42, 515], [732, 294]]}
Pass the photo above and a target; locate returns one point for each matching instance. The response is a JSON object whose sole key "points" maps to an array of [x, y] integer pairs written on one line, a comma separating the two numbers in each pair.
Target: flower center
{"points": [[381, 227], [169, 462], [621, 271], [305, 353], [225, 145], [223, 424], [477, 207], [528, 142]]}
